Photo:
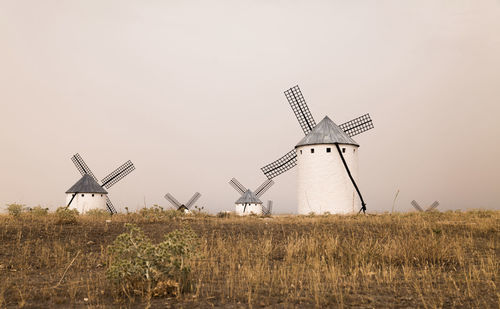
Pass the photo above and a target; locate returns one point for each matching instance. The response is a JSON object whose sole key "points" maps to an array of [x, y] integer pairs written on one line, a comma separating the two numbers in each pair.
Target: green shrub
{"points": [[139, 265], [15, 209], [38, 211], [66, 216]]}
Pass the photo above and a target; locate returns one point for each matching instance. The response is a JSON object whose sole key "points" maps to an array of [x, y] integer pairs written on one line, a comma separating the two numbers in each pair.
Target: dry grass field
{"points": [[414, 260]]}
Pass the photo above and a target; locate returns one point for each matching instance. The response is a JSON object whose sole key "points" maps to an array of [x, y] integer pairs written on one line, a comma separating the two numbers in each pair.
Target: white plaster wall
{"points": [[87, 201], [251, 208], [323, 183]]}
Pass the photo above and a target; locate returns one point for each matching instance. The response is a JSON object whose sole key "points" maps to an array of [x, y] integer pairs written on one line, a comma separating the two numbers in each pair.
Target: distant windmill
{"points": [[267, 210], [182, 207], [420, 209], [249, 201], [326, 178], [87, 193]]}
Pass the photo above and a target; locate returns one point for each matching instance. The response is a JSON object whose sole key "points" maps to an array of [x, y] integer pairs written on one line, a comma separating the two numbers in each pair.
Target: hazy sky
{"points": [[192, 93]]}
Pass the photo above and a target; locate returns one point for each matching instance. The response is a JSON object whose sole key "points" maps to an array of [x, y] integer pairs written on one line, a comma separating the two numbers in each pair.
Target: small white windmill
{"points": [[420, 209], [249, 202], [327, 161], [87, 193], [182, 207]]}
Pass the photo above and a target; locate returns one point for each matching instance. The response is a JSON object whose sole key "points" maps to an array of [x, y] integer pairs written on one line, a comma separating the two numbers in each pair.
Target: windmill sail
{"points": [[237, 186], [193, 200], [172, 200], [263, 187], [82, 166], [281, 165], [118, 174], [357, 125], [300, 109], [416, 205]]}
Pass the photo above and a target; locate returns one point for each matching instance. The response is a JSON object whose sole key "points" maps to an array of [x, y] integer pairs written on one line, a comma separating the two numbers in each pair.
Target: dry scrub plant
{"points": [[139, 266]]}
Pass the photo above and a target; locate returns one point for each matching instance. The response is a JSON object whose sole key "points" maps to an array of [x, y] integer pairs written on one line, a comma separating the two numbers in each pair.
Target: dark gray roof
{"points": [[326, 132], [87, 184], [248, 198]]}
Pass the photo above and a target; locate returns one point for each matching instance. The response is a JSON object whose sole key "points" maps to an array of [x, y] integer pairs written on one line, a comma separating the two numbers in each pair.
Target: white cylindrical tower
{"points": [[247, 209], [88, 194], [323, 182]]}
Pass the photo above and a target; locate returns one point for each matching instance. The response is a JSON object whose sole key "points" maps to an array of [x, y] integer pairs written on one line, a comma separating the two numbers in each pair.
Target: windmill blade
{"points": [[264, 187], [193, 200], [433, 206], [237, 186], [118, 174], [172, 200], [110, 206], [417, 207], [357, 125], [82, 166], [267, 210], [299, 107], [281, 165]]}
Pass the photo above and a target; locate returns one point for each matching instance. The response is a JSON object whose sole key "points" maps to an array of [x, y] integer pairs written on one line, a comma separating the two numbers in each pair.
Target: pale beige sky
{"points": [[192, 93]]}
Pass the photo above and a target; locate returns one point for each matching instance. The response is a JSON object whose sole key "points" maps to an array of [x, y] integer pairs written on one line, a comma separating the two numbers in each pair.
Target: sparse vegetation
{"points": [[65, 215], [416, 260], [139, 266], [15, 209]]}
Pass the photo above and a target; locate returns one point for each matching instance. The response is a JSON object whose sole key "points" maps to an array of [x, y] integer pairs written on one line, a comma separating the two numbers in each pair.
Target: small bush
{"points": [[223, 214], [66, 216], [154, 269], [38, 211], [98, 213], [15, 209], [157, 213]]}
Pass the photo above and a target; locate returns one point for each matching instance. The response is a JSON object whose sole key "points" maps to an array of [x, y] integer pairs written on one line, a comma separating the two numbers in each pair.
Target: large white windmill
{"points": [[249, 202], [87, 193], [327, 161]]}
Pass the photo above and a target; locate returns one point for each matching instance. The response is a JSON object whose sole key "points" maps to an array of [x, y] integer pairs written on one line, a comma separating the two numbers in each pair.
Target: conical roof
{"points": [[248, 198], [87, 184], [326, 132]]}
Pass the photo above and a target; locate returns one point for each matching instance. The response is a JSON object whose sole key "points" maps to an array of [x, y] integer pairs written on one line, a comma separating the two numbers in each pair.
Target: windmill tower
{"points": [[182, 207], [87, 193], [327, 160], [249, 201]]}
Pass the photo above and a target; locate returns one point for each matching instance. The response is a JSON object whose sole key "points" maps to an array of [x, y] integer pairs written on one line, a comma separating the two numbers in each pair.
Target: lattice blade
{"points": [[118, 174], [110, 206], [433, 206], [82, 166], [193, 200], [237, 186], [281, 165], [417, 207], [172, 200], [264, 187], [357, 125], [300, 109], [267, 210]]}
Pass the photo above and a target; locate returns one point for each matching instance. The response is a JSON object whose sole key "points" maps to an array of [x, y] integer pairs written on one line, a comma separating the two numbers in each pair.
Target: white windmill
{"points": [[182, 207], [428, 209], [327, 160], [249, 202], [87, 193]]}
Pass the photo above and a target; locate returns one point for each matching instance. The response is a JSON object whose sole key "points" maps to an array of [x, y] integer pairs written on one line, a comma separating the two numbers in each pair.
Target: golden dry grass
{"points": [[416, 260]]}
